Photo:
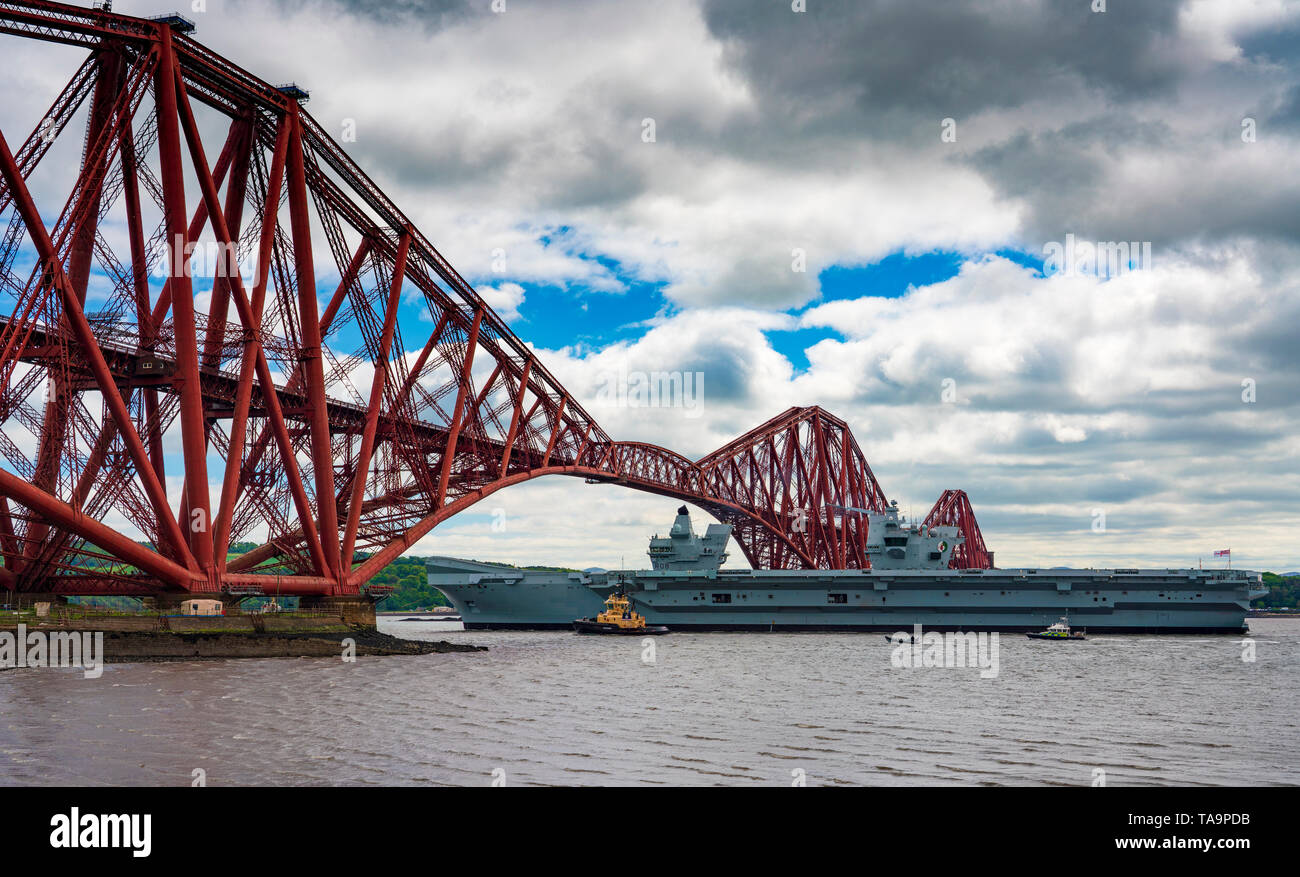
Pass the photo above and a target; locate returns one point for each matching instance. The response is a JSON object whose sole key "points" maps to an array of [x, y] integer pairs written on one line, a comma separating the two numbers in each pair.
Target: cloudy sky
{"points": [[920, 162]]}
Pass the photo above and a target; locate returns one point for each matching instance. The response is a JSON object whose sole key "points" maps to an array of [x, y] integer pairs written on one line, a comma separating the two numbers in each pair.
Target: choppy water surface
{"points": [[739, 709]]}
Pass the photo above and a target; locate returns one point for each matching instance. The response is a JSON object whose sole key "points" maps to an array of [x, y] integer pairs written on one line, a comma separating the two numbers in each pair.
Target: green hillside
{"points": [[1282, 592], [408, 576]]}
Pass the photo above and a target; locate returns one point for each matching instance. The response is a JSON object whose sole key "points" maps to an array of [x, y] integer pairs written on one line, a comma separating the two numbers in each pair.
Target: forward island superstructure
{"points": [[909, 583]]}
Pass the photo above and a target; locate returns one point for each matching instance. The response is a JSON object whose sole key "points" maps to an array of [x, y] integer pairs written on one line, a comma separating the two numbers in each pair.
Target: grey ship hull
{"points": [[1121, 601]]}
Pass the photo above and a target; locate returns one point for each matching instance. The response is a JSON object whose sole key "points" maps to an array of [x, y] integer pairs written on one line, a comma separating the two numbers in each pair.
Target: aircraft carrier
{"points": [[909, 583]]}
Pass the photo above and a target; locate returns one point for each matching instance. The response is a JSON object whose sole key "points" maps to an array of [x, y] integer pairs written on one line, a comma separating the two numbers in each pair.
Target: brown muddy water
{"points": [[709, 709]]}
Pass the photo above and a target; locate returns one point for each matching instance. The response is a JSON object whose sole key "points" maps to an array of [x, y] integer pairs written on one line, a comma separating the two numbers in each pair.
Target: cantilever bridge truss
{"points": [[327, 434]]}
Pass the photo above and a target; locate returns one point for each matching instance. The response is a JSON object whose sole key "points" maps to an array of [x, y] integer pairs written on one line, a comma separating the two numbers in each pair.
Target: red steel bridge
{"points": [[336, 462]]}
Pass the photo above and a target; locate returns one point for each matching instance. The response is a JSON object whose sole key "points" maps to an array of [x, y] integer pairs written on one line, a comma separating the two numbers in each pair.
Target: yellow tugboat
{"points": [[618, 617]]}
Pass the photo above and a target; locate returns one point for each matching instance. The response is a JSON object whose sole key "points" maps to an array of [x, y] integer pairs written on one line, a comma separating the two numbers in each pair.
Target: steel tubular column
{"points": [[555, 431], [200, 219], [140, 281], [515, 415], [413, 376], [233, 214], [193, 427], [376, 399], [254, 359], [322, 452], [108, 82], [458, 416]]}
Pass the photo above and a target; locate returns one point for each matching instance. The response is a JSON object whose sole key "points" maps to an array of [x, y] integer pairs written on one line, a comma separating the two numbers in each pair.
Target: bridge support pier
{"points": [[352, 610], [29, 600], [167, 604]]}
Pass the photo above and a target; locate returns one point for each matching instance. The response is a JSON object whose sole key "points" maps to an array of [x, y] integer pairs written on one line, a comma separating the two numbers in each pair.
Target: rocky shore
{"points": [[147, 647], [128, 640]]}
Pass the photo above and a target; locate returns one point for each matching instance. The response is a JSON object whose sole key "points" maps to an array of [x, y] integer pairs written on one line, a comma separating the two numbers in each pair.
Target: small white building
{"points": [[202, 607]]}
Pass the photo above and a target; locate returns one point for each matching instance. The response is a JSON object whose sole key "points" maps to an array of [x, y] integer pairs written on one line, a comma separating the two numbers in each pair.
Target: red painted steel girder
{"points": [[804, 475], [953, 509], [258, 393]]}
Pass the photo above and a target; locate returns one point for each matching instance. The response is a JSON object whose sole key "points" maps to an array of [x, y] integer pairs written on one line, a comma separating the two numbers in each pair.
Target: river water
{"points": [[728, 709]]}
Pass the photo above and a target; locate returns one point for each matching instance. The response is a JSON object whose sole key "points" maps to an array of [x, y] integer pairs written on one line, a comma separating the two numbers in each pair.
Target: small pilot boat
{"points": [[1059, 631], [618, 617]]}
